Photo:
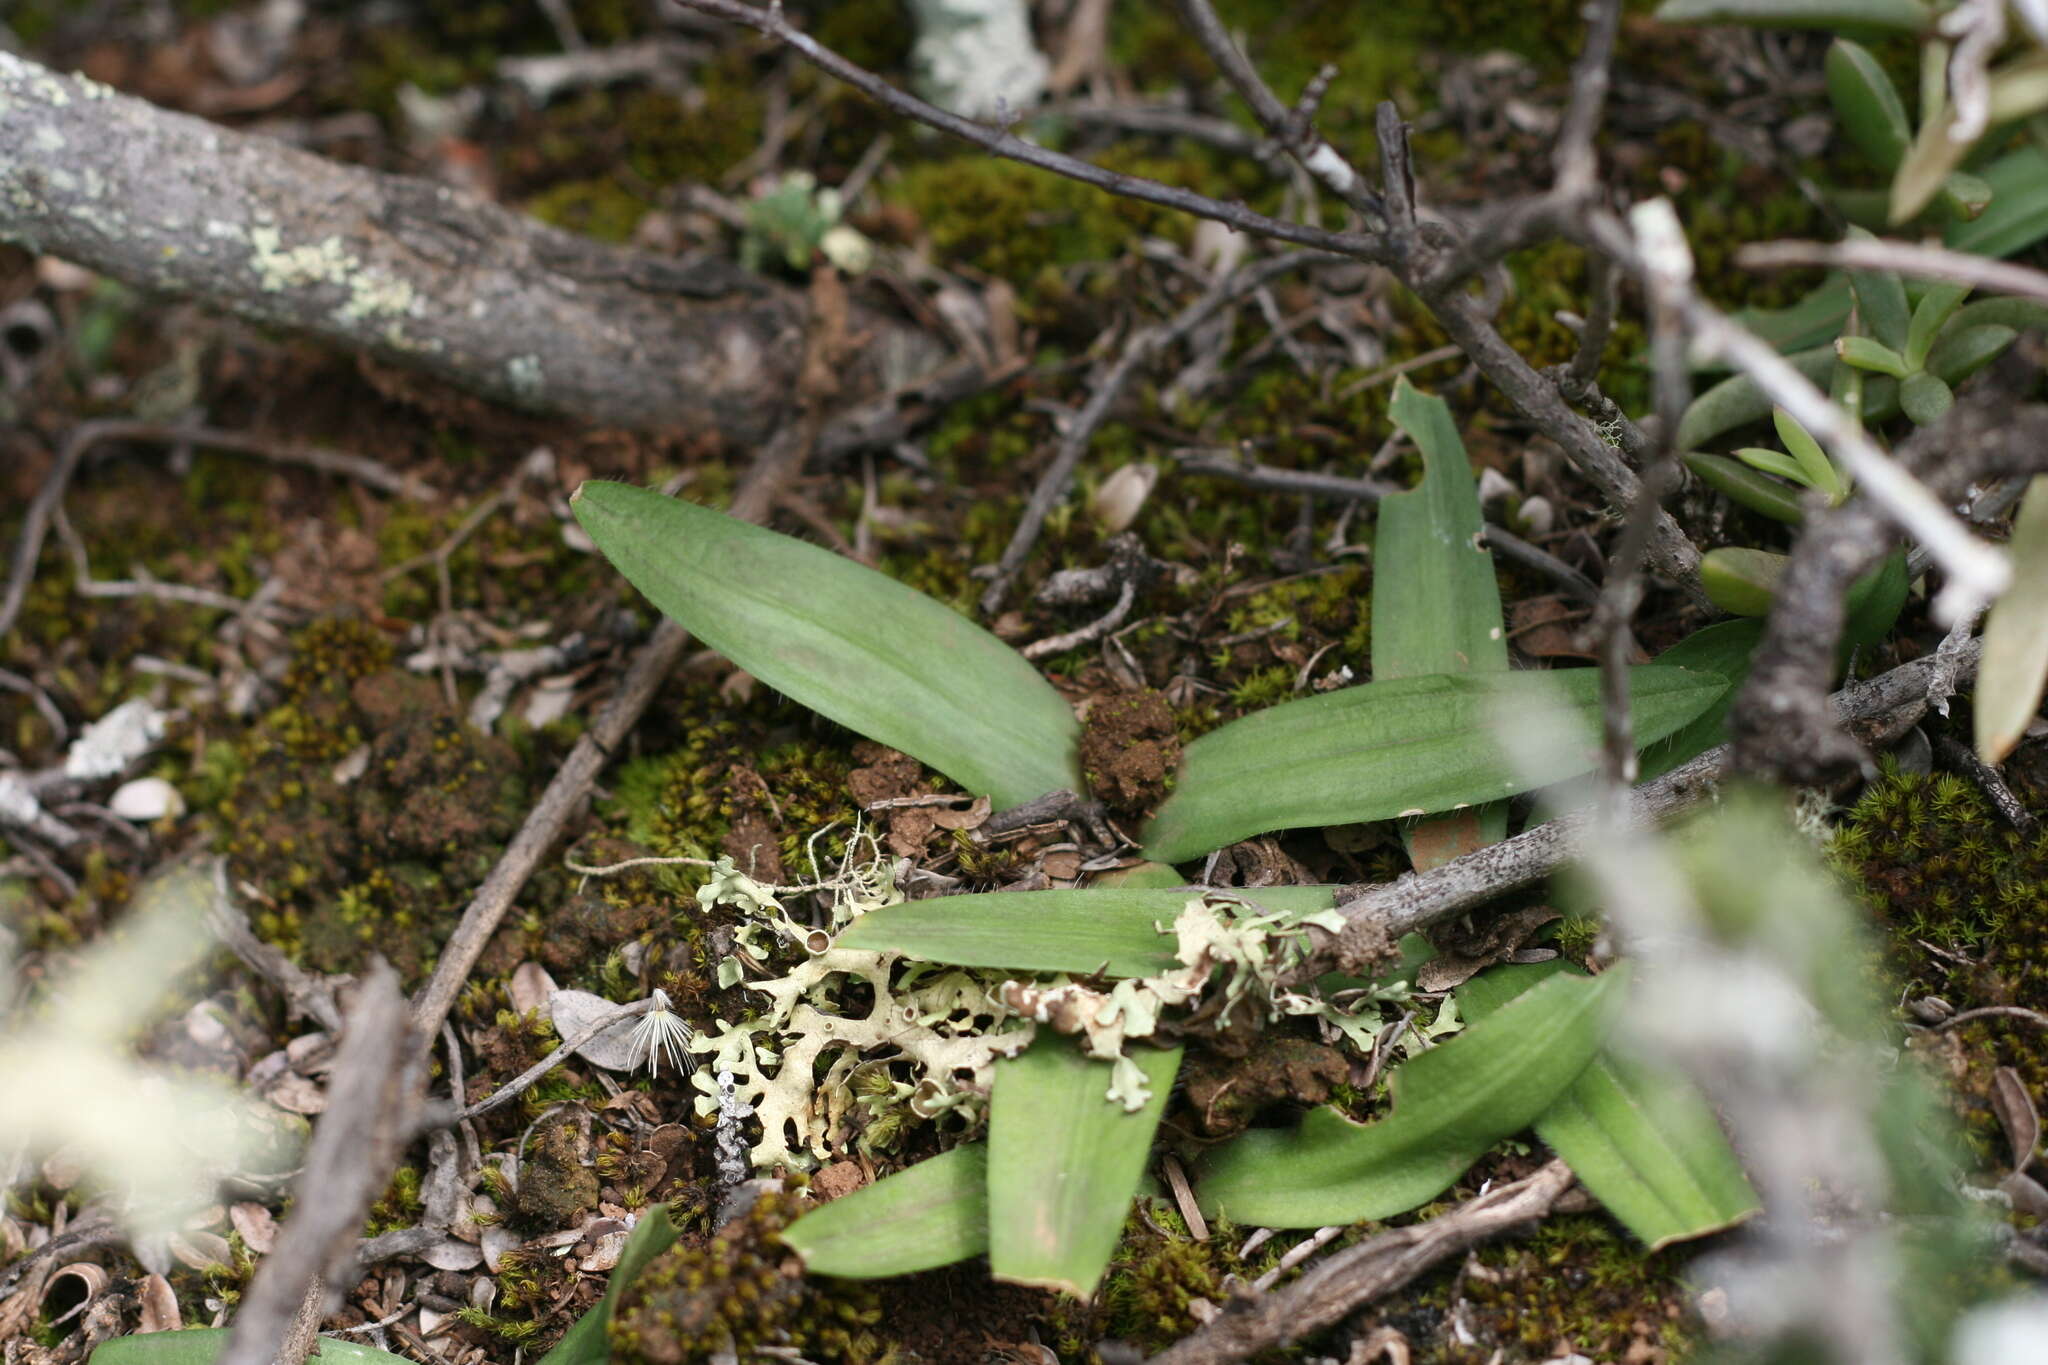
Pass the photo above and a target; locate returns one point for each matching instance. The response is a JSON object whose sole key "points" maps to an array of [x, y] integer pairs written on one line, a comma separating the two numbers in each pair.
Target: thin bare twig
{"points": [[2024, 1015], [1002, 142], [1052, 484], [1963, 758], [1356, 1276], [304, 993], [83, 437], [527, 1079], [1291, 128], [1667, 280], [1593, 336], [1906, 258], [347, 1165], [45, 707], [1225, 465], [1573, 157], [1976, 571], [1167, 120]]}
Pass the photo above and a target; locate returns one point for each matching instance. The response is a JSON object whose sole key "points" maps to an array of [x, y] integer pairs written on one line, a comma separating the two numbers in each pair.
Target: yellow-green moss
{"points": [[1577, 1284], [1012, 221], [400, 1206], [742, 1289], [598, 208]]}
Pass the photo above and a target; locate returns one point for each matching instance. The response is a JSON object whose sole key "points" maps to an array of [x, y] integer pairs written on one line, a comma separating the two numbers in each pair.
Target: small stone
{"points": [[146, 799], [115, 740], [1122, 496], [450, 1254], [836, 1180]]}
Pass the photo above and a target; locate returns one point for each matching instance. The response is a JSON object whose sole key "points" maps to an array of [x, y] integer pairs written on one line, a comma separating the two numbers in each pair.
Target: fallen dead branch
{"points": [[409, 271], [1356, 1276]]}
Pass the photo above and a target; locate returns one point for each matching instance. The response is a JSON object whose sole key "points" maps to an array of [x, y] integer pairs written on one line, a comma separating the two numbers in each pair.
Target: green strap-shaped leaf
{"points": [[1450, 1105], [1738, 401], [852, 644], [1812, 321], [1639, 1136], [1720, 650], [2016, 635], [1911, 16], [1960, 352], [1772, 462], [1881, 300], [2018, 214], [1408, 746], [1063, 1162], [1867, 104], [1938, 303], [932, 1214], [1435, 601], [1114, 931], [1740, 580], [1925, 397], [1747, 486], [1866, 353], [203, 1345]]}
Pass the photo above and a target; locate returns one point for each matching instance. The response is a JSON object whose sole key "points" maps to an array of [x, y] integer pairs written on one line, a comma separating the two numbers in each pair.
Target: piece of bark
{"points": [[409, 271]]}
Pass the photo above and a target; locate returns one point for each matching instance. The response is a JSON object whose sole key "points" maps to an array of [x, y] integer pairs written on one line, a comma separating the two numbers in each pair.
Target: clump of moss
{"points": [[1577, 1284], [1928, 854], [1147, 1293], [599, 208], [400, 1206], [741, 1290], [378, 851], [763, 771], [317, 721], [554, 1184], [1012, 221]]}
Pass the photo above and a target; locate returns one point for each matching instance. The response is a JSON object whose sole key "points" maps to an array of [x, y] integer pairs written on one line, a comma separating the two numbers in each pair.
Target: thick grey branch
{"points": [[1356, 1276], [413, 272]]}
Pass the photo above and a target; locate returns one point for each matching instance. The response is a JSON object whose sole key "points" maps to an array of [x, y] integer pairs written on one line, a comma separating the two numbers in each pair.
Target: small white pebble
{"points": [[114, 741], [146, 799]]}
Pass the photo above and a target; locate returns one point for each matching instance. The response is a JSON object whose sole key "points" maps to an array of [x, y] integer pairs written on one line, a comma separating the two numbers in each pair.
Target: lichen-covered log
{"points": [[408, 270]]}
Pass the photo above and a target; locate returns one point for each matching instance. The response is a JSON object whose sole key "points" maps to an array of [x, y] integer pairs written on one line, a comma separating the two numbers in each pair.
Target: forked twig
{"points": [[770, 22], [1052, 484]]}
